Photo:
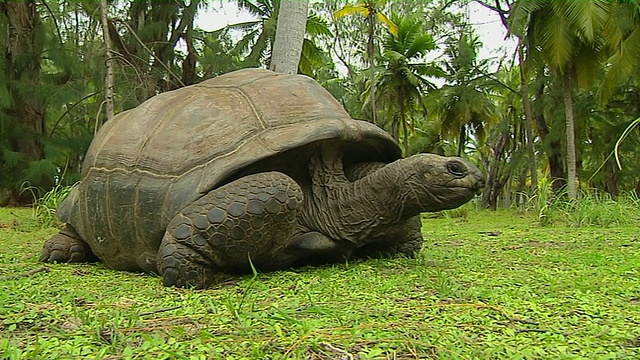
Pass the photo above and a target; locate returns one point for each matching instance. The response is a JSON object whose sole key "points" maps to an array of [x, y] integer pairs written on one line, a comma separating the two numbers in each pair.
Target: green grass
{"points": [[490, 285]]}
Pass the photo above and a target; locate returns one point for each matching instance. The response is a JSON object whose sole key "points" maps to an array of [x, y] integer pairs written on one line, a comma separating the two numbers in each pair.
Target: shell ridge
{"points": [[254, 109], [105, 139]]}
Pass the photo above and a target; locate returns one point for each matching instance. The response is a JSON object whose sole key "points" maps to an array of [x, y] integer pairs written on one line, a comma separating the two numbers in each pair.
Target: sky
{"points": [[488, 26]]}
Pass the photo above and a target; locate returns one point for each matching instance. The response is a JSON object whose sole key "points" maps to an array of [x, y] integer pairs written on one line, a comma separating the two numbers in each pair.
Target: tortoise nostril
{"points": [[457, 168]]}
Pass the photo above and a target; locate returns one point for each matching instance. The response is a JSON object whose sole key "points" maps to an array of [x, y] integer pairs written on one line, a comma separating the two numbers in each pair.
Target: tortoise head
{"points": [[435, 183]]}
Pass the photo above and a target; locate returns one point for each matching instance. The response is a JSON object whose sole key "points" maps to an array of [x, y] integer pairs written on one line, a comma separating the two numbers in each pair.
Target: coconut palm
{"points": [[259, 35], [287, 46], [371, 10], [463, 106], [623, 31], [569, 37], [404, 80]]}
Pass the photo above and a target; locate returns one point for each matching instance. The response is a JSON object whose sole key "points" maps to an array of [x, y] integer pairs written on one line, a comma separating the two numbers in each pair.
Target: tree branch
{"points": [[176, 77]]}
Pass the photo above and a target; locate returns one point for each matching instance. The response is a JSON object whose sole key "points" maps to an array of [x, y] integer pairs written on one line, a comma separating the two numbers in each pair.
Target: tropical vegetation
{"points": [[557, 111]]}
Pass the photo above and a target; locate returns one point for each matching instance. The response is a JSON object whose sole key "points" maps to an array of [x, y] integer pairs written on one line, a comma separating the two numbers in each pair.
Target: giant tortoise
{"points": [[251, 168]]}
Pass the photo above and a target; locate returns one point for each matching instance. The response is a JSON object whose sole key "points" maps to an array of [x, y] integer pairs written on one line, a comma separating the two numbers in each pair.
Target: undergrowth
{"points": [[592, 208], [45, 203]]}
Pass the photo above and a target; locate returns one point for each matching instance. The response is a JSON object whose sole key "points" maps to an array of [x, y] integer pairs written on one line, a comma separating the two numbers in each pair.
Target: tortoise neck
{"points": [[360, 209], [387, 193]]}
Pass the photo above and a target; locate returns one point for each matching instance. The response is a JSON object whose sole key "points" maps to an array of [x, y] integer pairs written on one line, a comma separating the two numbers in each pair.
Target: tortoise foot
{"points": [[66, 246], [248, 221], [180, 266]]}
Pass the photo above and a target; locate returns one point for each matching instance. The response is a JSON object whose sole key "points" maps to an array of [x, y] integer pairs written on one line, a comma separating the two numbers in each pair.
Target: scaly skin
{"points": [[66, 246], [406, 240], [250, 219]]}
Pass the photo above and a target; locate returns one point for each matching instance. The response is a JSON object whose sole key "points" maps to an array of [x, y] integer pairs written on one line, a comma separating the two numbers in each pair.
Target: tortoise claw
{"points": [[66, 246], [182, 267]]}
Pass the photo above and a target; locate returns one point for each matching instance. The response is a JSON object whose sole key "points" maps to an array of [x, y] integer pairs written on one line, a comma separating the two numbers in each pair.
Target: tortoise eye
{"points": [[456, 168]]}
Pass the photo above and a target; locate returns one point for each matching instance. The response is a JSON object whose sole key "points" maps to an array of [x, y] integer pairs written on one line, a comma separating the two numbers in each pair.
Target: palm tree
{"points": [[623, 31], [403, 82], [259, 35], [370, 9], [463, 105], [569, 37], [524, 89]]}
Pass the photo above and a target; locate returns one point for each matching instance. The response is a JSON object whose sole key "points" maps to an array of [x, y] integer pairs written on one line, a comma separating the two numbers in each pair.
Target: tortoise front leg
{"points": [[66, 246], [250, 219], [404, 240]]}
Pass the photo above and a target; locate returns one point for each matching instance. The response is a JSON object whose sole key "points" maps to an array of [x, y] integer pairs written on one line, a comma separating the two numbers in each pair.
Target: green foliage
{"points": [[493, 285], [257, 36], [452, 104], [592, 208], [463, 106], [45, 203], [404, 80]]}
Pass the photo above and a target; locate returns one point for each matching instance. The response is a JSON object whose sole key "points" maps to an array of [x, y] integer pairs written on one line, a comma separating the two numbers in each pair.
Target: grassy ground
{"points": [[490, 286]]}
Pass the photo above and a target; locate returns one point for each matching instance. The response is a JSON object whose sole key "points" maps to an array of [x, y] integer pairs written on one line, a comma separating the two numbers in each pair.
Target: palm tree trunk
{"points": [[371, 54], [405, 131], [494, 184], [556, 168], [109, 79], [528, 117], [462, 139], [189, 63], [571, 144], [290, 30]]}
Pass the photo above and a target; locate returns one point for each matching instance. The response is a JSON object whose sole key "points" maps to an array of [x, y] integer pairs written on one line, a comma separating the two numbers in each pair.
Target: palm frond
{"points": [[519, 15], [248, 25], [622, 64], [346, 10], [553, 34], [316, 25], [242, 46], [390, 25], [255, 8], [587, 17]]}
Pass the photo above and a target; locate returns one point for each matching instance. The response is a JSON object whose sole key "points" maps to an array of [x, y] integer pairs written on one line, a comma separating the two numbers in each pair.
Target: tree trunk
{"points": [[494, 184], [611, 179], [290, 30], [571, 144], [556, 168], [189, 64], [528, 117], [395, 128], [405, 131], [371, 55], [23, 72], [109, 79], [462, 139]]}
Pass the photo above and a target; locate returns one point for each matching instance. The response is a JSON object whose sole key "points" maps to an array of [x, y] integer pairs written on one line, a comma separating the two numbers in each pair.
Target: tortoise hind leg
{"points": [[66, 246], [250, 219]]}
